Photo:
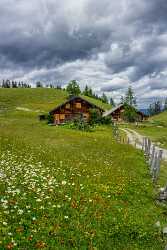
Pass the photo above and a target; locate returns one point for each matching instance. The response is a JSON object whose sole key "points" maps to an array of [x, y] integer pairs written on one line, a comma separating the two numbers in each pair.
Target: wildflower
{"points": [[38, 200], [5, 223], [66, 217], [14, 242], [63, 183], [20, 211]]}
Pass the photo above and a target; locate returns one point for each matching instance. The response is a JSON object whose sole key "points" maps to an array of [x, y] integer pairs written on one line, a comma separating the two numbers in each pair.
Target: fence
{"points": [[152, 154], [153, 157]]}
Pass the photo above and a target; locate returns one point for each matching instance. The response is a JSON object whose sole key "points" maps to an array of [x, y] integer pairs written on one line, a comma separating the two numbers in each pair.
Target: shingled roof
{"points": [[109, 112]]}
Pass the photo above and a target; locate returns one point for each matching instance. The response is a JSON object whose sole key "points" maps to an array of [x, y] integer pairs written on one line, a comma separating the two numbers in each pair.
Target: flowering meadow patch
{"points": [[67, 205]]}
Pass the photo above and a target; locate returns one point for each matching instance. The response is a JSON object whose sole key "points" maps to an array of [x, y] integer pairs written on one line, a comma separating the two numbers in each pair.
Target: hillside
{"points": [[66, 189], [160, 118], [155, 128], [37, 99]]}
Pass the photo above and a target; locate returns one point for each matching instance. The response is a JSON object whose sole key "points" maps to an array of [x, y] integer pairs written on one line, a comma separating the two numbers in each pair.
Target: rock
{"points": [[162, 189], [165, 231], [163, 194]]}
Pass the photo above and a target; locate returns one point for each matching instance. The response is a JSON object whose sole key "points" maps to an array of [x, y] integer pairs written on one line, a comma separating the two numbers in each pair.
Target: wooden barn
{"points": [[117, 114], [76, 107]]}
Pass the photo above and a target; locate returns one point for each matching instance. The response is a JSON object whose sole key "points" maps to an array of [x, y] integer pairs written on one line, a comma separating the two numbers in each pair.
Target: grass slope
{"points": [[155, 128], [66, 189], [38, 99]]}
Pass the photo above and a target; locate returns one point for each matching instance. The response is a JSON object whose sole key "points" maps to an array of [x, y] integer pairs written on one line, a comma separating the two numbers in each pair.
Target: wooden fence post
{"points": [[156, 168], [143, 144], [152, 155], [149, 147]]}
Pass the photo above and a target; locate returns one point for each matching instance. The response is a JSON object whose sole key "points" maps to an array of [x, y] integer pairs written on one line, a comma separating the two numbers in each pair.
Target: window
{"points": [[57, 117], [68, 106], [78, 105], [62, 116]]}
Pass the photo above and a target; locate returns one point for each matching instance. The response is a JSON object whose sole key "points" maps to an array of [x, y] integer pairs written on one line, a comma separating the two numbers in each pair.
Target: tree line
{"points": [[157, 107], [73, 89], [14, 84]]}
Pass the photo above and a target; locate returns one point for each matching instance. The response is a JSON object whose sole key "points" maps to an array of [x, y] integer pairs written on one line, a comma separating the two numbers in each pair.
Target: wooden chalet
{"points": [[76, 107], [117, 114]]}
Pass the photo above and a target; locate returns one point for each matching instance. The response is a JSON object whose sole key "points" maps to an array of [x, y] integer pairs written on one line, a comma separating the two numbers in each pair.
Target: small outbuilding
{"points": [[75, 107], [117, 114]]}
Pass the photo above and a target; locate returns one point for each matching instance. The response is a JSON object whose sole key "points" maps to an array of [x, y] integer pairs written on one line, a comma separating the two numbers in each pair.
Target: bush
{"points": [[97, 118], [106, 120], [50, 119], [79, 124], [130, 114]]}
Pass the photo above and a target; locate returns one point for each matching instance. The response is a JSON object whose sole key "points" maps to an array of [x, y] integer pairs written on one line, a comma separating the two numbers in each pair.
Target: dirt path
{"points": [[137, 140]]}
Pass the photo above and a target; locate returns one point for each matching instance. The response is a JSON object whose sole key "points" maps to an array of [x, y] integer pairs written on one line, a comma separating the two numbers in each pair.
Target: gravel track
{"points": [[136, 139]]}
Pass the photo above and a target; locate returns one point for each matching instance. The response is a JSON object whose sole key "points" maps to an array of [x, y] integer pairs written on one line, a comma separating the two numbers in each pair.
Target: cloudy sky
{"points": [[107, 44]]}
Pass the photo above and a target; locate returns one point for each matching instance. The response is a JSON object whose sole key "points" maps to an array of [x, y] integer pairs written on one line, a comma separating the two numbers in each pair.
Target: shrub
{"points": [[106, 120], [50, 119], [83, 125], [97, 118], [130, 114]]}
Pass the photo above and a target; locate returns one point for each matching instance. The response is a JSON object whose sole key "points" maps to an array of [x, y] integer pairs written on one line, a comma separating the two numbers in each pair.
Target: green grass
{"points": [[38, 100], [155, 128], [66, 189], [160, 118]]}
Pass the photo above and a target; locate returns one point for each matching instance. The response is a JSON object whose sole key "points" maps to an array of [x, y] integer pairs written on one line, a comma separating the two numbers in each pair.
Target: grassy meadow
{"points": [[155, 128], [67, 189]]}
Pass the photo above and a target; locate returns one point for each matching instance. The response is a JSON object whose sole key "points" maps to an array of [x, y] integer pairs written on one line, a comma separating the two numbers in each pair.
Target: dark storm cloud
{"points": [[46, 40], [107, 44]]}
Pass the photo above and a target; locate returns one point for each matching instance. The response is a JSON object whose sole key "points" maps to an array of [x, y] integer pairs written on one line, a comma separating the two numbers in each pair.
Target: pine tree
{"points": [[112, 103], [165, 105], [122, 101], [86, 91], [151, 109], [158, 107], [38, 85], [155, 108], [130, 99], [104, 98], [90, 92]]}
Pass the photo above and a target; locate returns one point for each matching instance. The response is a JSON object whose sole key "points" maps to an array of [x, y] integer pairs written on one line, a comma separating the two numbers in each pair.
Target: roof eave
{"points": [[64, 103]]}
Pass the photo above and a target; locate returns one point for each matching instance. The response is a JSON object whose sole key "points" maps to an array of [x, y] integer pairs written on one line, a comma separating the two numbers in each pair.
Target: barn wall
{"points": [[72, 110]]}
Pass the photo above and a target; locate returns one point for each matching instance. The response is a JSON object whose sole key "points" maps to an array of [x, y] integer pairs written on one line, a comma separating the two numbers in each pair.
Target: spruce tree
{"points": [[165, 105], [104, 98], [112, 103], [130, 99], [86, 91]]}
